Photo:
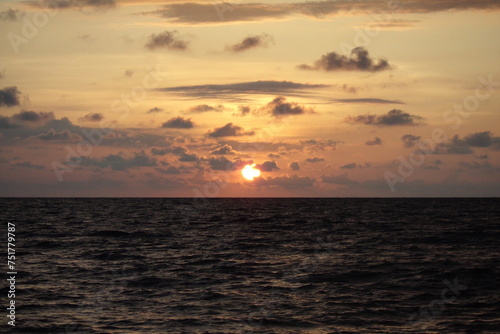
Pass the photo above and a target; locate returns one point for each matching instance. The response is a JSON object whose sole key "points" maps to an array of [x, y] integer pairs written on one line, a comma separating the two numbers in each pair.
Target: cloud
{"points": [[410, 140], [314, 159], [268, 166], [481, 139], [70, 4], [359, 60], [369, 100], [27, 164], [26, 118], [53, 135], [226, 149], [178, 123], [229, 130], [233, 91], [279, 107], [154, 110], [203, 13], [484, 139], [9, 97], [251, 42], [352, 165], [393, 117], [11, 15], [92, 117], [376, 141], [129, 73], [286, 181], [204, 108], [166, 40], [120, 161], [244, 110], [221, 163], [476, 165], [294, 165], [342, 180], [171, 170], [180, 151]]}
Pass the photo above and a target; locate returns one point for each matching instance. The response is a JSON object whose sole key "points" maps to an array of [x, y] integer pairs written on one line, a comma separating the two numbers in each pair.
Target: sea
{"points": [[252, 265]]}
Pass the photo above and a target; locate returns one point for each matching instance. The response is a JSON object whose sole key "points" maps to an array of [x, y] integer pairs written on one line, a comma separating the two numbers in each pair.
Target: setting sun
{"points": [[249, 172]]}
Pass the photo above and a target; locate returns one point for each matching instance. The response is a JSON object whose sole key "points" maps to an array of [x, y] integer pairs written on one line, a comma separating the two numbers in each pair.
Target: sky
{"points": [[173, 98]]}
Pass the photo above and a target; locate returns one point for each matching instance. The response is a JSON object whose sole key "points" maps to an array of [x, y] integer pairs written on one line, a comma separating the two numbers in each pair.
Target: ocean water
{"points": [[254, 265]]}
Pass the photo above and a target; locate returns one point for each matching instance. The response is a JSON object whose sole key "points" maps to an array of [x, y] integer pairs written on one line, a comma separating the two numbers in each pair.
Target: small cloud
{"points": [[226, 149], [294, 165], [11, 15], [376, 141], [9, 97], [154, 110], [280, 107], [166, 40], [410, 140], [229, 130], [314, 159], [359, 60], [84, 37], [393, 117], [482, 157], [92, 117], [204, 108], [68, 4], [27, 164], [129, 73], [244, 110], [352, 165], [268, 166], [251, 42], [178, 123], [53, 135]]}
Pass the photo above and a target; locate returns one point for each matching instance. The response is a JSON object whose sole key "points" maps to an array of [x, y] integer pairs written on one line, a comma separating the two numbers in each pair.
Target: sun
{"points": [[249, 172]]}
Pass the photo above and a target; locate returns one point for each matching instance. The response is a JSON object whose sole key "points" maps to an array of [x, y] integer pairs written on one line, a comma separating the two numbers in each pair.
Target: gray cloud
{"points": [[369, 100], [225, 149], [166, 40], [294, 165], [9, 97], [229, 130], [251, 42], [280, 107], [92, 117], [410, 140], [234, 90], [120, 161], [456, 145], [352, 165], [154, 110], [178, 123], [27, 164], [204, 108], [342, 180], [26, 118], [268, 166], [200, 13], [393, 117], [359, 60], [11, 15], [376, 141], [53, 135], [288, 182], [70, 4], [314, 159]]}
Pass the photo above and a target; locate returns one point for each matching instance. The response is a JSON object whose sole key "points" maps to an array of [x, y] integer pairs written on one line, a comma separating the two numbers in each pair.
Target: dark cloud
{"points": [[180, 151], [267, 166], [27, 164], [244, 110], [410, 140], [226, 149], [288, 182], [178, 123], [294, 165], [26, 118], [11, 15], [166, 40], [314, 159], [342, 180], [376, 141], [201, 13], [220, 163], [154, 110], [53, 135], [251, 42], [359, 60], [482, 156], [120, 161], [9, 97], [171, 170], [92, 117], [393, 117], [476, 165], [204, 108], [352, 165], [457, 145], [279, 107], [369, 100], [480, 139], [234, 91], [229, 130], [69, 4]]}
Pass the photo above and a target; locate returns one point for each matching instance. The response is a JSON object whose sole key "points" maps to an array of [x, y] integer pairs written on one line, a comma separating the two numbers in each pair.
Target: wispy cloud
{"points": [[166, 40], [251, 42]]}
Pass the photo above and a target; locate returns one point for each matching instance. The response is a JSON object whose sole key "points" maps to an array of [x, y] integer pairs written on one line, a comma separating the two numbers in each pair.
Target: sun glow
{"points": [[249, 172]]}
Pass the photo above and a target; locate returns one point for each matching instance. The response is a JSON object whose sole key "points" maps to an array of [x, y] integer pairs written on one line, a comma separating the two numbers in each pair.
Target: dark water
{"points": [[255, 265]]}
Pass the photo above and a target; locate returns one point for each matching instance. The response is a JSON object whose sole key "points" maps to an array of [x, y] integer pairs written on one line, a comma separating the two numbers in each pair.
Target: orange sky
{"points": [[174, 98]]}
